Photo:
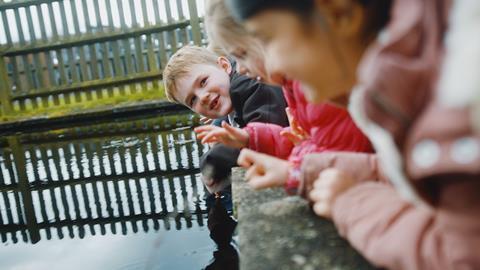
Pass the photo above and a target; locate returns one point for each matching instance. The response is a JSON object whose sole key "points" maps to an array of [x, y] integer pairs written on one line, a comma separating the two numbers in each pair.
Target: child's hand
{"points": [[330, 184], [205, 120], [228, 135], [264, 171], [296, 133]]}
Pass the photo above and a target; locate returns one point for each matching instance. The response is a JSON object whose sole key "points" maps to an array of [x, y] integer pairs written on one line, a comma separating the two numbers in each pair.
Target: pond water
{"points": [[120, 195]]}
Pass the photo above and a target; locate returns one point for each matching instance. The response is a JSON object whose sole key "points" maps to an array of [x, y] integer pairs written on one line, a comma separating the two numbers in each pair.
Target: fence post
{"points": [[20, 165], [195, 22], [4, 88]]}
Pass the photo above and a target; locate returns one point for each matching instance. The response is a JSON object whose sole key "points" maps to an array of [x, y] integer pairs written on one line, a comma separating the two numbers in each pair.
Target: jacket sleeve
{"points": [[266, 105], [266, 138], [218, 162], [360, 166], [255, 101], [390, 232]]}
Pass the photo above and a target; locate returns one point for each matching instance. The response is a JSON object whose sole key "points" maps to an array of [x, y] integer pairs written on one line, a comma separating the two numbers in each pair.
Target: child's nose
{"points": [[205, 98], [277, 77], [274, 71]]}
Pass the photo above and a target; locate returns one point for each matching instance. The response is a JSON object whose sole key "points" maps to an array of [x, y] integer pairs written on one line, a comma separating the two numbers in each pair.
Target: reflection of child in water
{"points": [[224, 259], [221, 227]]}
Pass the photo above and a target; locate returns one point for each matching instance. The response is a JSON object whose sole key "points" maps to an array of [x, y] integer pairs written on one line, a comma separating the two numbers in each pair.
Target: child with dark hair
{"points": [[406, 100]]}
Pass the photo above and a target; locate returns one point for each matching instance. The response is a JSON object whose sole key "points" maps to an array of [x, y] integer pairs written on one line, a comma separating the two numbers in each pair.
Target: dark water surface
{"points": [[120, 195]]}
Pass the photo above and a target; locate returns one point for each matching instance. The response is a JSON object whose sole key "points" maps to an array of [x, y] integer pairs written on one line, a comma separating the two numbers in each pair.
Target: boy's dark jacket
{"points": [[252, 101]]}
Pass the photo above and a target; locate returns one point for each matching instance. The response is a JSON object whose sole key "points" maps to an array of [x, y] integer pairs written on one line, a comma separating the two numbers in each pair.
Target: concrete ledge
{"points": [[281, 232]]}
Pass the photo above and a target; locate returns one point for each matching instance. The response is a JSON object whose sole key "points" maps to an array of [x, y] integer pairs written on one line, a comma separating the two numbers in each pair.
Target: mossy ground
{"points": [[62, 105]]}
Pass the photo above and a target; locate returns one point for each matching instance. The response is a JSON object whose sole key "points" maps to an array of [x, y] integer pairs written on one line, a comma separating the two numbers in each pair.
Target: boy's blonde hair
{"points": [[180, 64]]}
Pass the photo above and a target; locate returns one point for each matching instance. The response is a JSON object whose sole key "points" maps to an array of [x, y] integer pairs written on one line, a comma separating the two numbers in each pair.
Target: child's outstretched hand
{"points": [[330, 184], [205, 120], [228, 135], [264, 171], [295, 133]]}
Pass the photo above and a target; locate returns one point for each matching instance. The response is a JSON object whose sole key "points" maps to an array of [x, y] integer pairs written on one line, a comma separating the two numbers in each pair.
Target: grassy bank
{"points": [[62, 105]]}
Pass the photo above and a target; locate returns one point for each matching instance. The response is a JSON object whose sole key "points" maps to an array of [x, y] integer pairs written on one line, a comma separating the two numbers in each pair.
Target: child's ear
{"points": [[345, 18], [224, 64]]}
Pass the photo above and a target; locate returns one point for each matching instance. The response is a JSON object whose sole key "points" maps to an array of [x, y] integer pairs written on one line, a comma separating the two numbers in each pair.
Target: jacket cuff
{"points": [[340, 211], [360, 201], [293, 180], [252, 139]]}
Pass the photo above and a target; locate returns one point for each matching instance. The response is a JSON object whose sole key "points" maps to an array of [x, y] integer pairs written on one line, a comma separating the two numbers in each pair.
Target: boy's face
{"points": [[304, 51], [206, 89]]}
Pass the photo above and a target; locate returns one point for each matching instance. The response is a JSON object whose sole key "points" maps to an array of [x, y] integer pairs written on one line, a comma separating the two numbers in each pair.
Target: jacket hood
{"points": [[407, 76]]}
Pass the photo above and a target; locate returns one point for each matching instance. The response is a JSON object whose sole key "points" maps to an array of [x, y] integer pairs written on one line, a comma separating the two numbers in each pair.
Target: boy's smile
{"points": [[214, 103], [206, 89]]}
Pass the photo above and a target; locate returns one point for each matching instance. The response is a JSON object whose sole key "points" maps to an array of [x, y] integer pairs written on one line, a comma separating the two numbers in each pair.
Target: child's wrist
{"points": [[247, 141]]}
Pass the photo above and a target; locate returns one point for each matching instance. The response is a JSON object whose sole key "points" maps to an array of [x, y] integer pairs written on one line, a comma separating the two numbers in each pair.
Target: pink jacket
{"points": [[361, 167], [330, 128], [430, 217]]}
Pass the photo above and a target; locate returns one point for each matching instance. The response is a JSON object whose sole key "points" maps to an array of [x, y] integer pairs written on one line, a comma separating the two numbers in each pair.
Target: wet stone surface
{"points": [[280, 232]]}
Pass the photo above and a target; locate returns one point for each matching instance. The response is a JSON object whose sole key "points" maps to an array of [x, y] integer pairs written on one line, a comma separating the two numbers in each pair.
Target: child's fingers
{"points": [[330, 184], [201, 128], [200, 135], [322, 209], [291, 120], [225, 124], [211, 139], [300, 131], [204, 128], [213, 136], [206, 120], [234, 132], [288, 111], [294, 125], [300, 128], [261, 182], [252, 172], [247, 157], [290, 136], [327, 177], [297, 129], [317, 195]]}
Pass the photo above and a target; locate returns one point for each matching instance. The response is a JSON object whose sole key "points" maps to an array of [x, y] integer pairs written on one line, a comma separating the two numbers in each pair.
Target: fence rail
{"points": [[65, 52]]}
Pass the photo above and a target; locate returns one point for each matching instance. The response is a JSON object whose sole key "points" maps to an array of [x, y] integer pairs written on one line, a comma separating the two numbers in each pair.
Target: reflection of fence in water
{"points": [[75, 186]]}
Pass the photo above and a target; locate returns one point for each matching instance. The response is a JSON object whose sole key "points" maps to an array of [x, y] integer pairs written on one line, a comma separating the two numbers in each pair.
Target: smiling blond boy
{"points": [[210, 86]]}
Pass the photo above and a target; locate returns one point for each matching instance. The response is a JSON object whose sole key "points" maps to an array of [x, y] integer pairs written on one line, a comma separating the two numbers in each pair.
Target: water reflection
{"points": [[103, 182], [221, 226]]}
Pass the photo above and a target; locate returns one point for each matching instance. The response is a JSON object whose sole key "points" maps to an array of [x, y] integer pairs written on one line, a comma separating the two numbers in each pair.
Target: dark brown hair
{"points": [[377, 11]]}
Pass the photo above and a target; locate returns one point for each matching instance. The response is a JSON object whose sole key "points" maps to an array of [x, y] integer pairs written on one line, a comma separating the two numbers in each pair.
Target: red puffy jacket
{"points": [[330, 128]]}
